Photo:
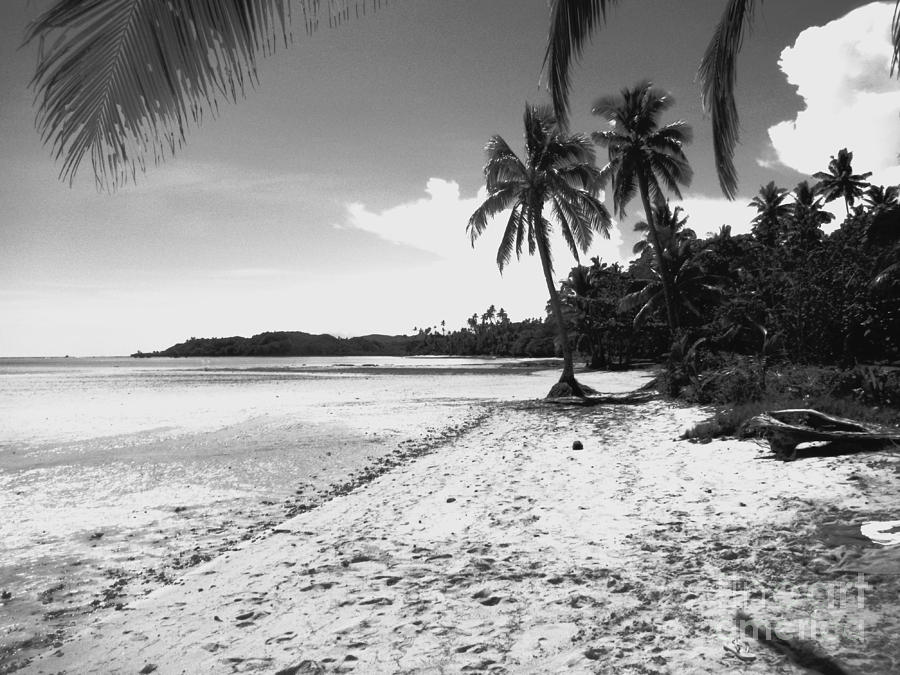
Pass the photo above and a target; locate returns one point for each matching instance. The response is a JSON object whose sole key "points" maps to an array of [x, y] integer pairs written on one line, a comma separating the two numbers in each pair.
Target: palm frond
{"points": [[495, 203], [672, 137], [540, 125], [895, 39], [523, 228], [571, 24], [585, 177], [624, 181], [502, 165], [608, 108], [121, 81], [542, 231], [596, 216], [532, 226], [672, 171], [567, 224], [573, 150], [585, 212], [511, 238], [718, 74]]}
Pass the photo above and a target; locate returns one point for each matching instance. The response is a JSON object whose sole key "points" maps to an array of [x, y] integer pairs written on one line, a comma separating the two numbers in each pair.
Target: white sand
{"points": [[508, 551]]}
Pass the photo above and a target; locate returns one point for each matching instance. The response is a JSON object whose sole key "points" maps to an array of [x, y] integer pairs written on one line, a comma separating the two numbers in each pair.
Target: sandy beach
{"points": [[504, 549]]}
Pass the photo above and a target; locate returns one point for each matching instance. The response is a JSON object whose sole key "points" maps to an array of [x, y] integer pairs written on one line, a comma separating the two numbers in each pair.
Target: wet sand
{"points": [[508, 551]]}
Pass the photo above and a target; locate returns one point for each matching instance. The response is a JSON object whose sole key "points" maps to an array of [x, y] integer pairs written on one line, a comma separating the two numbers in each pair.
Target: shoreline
{"points": [[510, 551], [97, 579]]}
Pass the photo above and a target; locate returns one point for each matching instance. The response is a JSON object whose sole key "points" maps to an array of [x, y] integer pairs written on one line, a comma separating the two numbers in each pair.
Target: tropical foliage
{"points": [[785, 293]]}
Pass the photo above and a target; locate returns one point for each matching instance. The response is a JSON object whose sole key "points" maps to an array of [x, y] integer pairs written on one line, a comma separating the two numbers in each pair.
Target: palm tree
{"points": [[840, 181], [880, 197], [807, 216], [558, 170], [573, 21], [645, 158], [772, 212], [671, 226], [693, 288]]}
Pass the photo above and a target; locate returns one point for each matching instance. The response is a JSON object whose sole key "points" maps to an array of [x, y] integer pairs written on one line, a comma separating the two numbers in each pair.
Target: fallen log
{"points": [[787, 429], [629, 398], [805, 653]]}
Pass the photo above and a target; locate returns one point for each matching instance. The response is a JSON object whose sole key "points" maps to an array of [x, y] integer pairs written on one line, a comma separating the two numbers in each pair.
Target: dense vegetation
{"points": [[283, 343], [493, 335], [751, 309]]}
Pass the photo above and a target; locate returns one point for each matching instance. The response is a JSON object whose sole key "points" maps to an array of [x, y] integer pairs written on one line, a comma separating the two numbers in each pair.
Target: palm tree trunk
{"points": [[568, 373], [664, 273]]}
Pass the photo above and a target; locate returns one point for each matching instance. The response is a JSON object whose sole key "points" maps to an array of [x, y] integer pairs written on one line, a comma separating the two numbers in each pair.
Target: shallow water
{"points": [[117, 473]]}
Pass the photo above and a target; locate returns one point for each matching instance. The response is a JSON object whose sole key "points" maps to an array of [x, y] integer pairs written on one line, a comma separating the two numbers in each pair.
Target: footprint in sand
{"points": [[389, 580], [485, 598], [377, 601], [284, 637], [474, 648], [249, 618], [481, 665], [305, 667]]}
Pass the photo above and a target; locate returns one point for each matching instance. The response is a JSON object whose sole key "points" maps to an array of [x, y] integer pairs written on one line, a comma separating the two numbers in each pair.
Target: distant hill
{"points": [[287, 343]]}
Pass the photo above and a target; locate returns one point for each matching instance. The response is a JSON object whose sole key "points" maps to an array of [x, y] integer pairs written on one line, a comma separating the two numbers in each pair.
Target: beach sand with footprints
{"points": [[506, 550]]}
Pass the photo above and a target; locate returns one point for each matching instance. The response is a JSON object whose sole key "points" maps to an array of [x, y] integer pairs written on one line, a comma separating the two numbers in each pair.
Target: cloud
{"points": [[842, 73], [464, 279], [708, 214], [437, 223]]}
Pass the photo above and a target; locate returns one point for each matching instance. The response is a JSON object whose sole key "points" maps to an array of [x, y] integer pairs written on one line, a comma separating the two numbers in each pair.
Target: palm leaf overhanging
{"points": [[122, 80], [571, 24], [573, 21], [718, 74]]}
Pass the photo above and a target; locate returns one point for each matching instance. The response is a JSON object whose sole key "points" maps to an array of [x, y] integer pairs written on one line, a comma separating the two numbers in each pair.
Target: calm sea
{"points": [[61, 400]]}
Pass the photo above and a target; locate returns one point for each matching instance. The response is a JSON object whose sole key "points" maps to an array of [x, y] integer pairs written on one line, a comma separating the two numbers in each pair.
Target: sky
{"points": [[335, 197]]}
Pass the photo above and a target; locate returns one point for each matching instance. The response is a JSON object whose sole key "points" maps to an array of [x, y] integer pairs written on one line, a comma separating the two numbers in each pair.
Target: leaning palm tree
{"points": [[573, 21], [772, 211], [559, 171], [645, 159], [840, 181]]}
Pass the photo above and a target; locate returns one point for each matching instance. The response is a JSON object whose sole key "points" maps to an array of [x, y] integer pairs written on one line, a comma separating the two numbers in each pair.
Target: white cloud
{"points": [[464, 280], [708, 214], [842, 72]]}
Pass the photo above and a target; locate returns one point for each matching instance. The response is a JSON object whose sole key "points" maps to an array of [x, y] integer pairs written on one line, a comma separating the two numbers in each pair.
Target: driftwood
{"points": [[805, 653], [786, 429], [629, 398]]}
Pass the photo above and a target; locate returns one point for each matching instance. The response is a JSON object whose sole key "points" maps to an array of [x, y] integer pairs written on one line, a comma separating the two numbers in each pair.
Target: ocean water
{"points": [[46, 401], [116, 473]]}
